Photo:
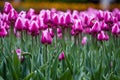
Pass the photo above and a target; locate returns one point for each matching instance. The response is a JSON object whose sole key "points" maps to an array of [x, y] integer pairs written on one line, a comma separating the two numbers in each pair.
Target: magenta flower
{"points": [[61, 20], [55, 19], [84, 40], [12, 15], [19, 24], [68, 18], [34, 28], [100, 15], [3, 32], [18, 51], [77, 26], [102, 36], [51, 32], [96, 27], [61, 56], [108, 17], [46, 37], [115, 29], [30, 13], [7, 7]]}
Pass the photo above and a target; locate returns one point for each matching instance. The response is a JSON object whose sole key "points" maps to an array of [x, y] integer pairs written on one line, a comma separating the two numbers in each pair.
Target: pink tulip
{"points": [[100, 15], [7, 7], [3, 32], [51, 32], [18, 51], [102, 36], [108, 17], [61, 56], [34, 28], [68, 18], [115, 29], [77, 26], [61, 20], [84, 40], [30, 13], [19, 24], [55, 19], [96, 27], [12, 15], [46, 37]]}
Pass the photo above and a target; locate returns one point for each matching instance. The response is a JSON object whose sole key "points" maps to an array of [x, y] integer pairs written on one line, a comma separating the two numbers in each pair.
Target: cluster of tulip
{"points": [[94, 22]]}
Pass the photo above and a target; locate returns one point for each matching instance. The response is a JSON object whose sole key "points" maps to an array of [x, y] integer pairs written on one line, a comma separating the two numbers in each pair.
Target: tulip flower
{"points": [[3, 32], [100, 15], [12, 15], [46, 37], [7, 7], [96, 27], [55, 19], [115, 29], [77, 26], [61, 56], [19, 24], [84, 40], [68, 18], [18, 52], [102, 36], [30, 13], [34, 28], [108, 17], [61, 20]]}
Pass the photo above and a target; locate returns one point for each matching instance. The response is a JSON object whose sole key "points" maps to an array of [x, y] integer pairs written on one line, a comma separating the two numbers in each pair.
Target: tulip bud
{"points": [[7, 7], [30, 13], [115, 29], [46, 37], [96, 27], [34, 28], [102, 36], [84, 40], [12, 15], [19, 24], [61, 56], [3, 32]]}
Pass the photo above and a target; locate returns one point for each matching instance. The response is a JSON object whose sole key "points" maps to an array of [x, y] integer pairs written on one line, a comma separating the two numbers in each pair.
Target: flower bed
{"points": [[57, 45]]}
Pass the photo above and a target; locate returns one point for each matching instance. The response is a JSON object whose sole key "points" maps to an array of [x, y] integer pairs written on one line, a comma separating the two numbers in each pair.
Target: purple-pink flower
{"points": [[61, 56], [84, 40]]}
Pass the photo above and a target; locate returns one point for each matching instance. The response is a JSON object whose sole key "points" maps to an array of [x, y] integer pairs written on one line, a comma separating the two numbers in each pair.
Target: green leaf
{"points": [[66, 75], [29, 76], [1, 78]]}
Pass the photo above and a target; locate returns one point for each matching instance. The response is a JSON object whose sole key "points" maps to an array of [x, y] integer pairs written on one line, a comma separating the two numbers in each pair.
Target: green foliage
{"points": [[95, 60]]}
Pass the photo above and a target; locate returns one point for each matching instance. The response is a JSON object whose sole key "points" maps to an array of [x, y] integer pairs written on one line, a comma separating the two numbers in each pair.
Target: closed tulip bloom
{"points": [[115, 29], [84, 40], [102, 36], [30, 13], [68, 18], [104, 26], [3, 32], [34, 28], [51, 32], [19, 24], [46, 37], [61, 56], [77, 26], [108, 17], [61, 20], [12, 15], [55, 19], [7, 7], [96, 27], [19, 54], [100, 15]]}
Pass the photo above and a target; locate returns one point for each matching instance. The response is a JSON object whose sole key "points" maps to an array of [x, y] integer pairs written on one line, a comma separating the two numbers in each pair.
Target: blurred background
{"points": [[62, 4]]}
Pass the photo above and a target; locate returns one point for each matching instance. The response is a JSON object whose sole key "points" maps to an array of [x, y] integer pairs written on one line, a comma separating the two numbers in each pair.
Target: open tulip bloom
{"points": [[59, 45]]}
